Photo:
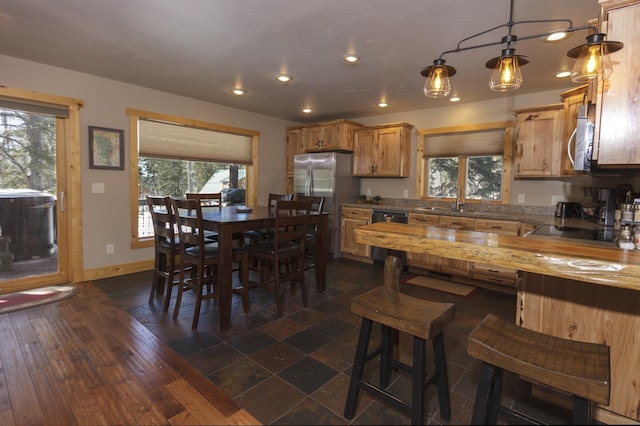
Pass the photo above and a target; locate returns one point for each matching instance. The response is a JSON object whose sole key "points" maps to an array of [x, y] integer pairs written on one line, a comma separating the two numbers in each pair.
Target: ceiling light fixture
{"points": [[592, 58], [352, 59], [239, 92], [306, 110], [383, 104], [284, 78]]}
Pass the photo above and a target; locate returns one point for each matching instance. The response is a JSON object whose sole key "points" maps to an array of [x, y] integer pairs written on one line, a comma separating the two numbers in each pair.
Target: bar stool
{"points": [[422, 319], [578, 368]]}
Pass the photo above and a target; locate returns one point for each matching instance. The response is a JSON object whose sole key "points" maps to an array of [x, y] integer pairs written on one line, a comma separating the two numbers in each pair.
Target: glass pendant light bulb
{"points": [[593, 62], [438, 84], [506, 75]]}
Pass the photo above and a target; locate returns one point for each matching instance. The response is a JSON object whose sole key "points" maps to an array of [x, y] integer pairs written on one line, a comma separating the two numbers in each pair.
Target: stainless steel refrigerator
{"points": [[329, 175]]}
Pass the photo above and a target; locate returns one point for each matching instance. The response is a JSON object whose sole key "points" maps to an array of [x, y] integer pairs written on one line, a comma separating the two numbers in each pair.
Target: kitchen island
{"points": [[567, 289]]}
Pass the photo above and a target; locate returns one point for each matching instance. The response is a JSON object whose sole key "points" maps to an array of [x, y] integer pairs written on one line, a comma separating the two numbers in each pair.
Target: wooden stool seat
{"points": [[578, 368], [422, 319]]}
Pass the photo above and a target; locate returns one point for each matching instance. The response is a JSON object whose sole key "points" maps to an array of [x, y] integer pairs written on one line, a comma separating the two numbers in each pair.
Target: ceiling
{"points": [[203, 48]]}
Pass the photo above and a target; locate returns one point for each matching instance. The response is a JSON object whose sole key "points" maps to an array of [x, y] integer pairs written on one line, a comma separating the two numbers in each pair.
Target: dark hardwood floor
{"points": [[106, 356]]}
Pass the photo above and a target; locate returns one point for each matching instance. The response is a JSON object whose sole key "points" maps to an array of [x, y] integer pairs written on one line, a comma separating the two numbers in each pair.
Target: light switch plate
{"points": [[97, 188]]}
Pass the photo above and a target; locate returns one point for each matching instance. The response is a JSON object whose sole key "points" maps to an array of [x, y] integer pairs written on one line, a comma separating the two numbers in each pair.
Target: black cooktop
{"points": [[606, 233]]}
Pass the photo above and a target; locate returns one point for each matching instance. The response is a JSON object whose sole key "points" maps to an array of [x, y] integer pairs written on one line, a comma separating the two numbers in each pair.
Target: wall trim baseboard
{"points": [[117, 270]]}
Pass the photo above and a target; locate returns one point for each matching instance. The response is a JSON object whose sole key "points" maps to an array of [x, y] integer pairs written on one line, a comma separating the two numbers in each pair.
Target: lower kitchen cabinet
{"points": [[352, 218], [423, 260]]}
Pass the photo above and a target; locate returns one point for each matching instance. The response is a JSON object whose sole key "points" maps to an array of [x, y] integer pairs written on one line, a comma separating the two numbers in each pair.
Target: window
{"points": [[172, 156], [467, 163]]}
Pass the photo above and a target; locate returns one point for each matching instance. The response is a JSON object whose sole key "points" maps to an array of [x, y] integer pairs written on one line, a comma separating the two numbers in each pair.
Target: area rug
{"points": [[442, 285], [11, 302]]}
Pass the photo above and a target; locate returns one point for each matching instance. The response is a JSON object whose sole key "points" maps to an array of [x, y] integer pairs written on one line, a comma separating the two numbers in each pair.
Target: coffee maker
{"points": [[605, 198]]}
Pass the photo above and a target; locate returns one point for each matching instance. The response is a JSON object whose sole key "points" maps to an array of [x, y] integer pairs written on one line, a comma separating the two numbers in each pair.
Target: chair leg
{"points": [[386, 354], [169, 283], [199, 289], [303, 284], [279, 295], [581, 411], [485, 409], [443, 381], [176, 308], [418, 376], [244, 279], [359, 361], [157, 285]]}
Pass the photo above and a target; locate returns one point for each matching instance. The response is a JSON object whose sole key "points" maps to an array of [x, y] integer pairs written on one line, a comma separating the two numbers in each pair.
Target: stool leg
{"points": [[443, 380], [386, 347], [485, 409], [358, 368], [581, 411], [418, 385]]}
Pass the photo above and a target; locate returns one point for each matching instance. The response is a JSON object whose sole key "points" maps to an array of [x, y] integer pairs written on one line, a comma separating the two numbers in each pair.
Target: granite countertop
{"points": [[530, 214]]}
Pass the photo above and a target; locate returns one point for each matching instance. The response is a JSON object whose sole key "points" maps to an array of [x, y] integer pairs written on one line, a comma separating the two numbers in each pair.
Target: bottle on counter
{"points": [[626, 237]]}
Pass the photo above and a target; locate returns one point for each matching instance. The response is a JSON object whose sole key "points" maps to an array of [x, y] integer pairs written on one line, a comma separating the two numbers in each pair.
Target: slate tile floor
{"points": [[295, 370]]}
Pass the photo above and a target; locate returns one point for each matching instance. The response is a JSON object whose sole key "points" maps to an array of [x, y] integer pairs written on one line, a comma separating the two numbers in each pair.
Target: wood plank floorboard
{"points": [[84, 361]]}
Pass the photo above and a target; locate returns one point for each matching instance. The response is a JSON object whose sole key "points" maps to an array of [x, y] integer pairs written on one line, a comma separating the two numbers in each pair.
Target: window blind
{"points": [[34, 107], [473, 143], [165, 140]]}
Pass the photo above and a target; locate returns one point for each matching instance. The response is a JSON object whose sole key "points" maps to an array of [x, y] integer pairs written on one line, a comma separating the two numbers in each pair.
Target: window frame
{"points": [[507, 156], [135, 115]]}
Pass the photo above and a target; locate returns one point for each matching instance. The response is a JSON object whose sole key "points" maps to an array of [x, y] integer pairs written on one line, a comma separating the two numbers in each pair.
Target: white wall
{"points": [[105, 216]]}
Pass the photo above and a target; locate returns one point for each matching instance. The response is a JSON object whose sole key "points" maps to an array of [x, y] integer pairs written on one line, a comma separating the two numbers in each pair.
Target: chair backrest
{"points": [[274, 198], [317, 203], [188, 214], [211, 199], [292, 220], [164, 223]]}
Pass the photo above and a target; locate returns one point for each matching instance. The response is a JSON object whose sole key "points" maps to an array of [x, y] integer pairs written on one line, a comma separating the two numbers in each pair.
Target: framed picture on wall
{"points": [[106, 148]]}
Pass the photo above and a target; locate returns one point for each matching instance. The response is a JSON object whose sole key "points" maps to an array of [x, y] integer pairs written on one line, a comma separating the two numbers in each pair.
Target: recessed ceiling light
{"points": [[352, 59], [284, 78], [560, 35], [306, 110], [563, 74], [383, 104], [454, 99], [239, 92]]}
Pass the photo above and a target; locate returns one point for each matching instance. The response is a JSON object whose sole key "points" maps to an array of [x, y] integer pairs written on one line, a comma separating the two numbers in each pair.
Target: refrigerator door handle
{"points": [[309, 187]]}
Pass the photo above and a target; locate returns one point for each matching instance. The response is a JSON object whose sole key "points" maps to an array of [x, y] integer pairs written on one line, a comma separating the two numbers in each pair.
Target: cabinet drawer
{"points": [[424, 219], [459, 223], [503, 227], [354, 213], [498, 274]]}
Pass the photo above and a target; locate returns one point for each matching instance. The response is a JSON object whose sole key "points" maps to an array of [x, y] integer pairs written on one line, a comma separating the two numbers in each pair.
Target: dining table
{"points": [[230, 220]]}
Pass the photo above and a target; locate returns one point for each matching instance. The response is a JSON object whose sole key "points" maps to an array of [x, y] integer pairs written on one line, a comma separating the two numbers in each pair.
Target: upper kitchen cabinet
{"points": [[538, 141], [294, 146], [334, 135], [617, 124], [382, 151]]}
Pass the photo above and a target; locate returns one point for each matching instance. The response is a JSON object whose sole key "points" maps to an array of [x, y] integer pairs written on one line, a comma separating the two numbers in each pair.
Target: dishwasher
{"points": [[379, 254]]}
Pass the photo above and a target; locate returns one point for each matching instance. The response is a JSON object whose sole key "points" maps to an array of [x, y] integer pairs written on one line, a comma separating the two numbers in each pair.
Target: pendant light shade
{"points": [[438, 84], [593, 58], [506, 73]]}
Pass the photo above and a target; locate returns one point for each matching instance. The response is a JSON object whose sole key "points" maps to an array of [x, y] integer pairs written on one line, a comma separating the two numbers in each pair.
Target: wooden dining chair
{"points": [[258, 235], [166, 246], [281, 258], [201, 254], [317, 204], [211, 200]]}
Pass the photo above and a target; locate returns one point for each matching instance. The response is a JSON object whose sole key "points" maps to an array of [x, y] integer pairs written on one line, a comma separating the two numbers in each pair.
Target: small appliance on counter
{"points": [[567, 209]]}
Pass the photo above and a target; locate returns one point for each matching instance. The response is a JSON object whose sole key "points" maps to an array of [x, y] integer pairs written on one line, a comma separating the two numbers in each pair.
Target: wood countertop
{"points": [[558, 257]]}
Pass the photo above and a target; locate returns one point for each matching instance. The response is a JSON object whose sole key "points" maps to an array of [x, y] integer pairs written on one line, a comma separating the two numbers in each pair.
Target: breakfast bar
{"points": [[567, 288]]}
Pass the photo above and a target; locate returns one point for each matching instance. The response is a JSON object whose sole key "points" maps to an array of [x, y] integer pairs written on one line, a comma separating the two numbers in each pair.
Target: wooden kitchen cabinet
{"points": [[294, 146], [382, 151], [496, 274], [334, 135], [617, 123], [538, 141], [455, 266], [352, 218]]}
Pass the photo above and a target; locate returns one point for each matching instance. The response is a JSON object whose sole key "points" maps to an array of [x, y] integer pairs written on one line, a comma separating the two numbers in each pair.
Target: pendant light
{"points": [[592, 58]]}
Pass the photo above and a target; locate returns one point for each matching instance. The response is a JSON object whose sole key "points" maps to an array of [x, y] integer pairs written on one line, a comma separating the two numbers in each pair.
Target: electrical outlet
{"points": [[110, 249], [405, 193], [521, 198], [368, 192], [97, 188]]}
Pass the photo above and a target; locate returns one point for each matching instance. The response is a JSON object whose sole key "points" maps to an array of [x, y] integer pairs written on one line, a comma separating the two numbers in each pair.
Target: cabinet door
{"points": [[455, 266], [351, 219], [294, 146], [389, 152], [572, 100], [312, 138], [538, 143], [618, 124], [364, 152], [496, 226], [458, 223], [332, 137]]}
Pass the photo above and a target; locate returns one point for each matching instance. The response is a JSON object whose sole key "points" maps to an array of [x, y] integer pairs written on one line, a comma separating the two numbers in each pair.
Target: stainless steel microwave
{"points": [[583, 136]]}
